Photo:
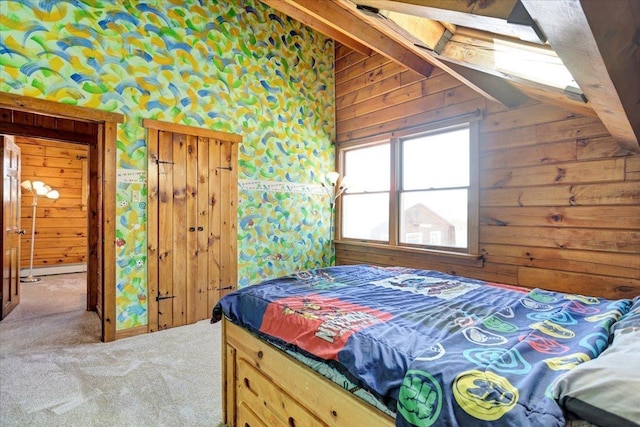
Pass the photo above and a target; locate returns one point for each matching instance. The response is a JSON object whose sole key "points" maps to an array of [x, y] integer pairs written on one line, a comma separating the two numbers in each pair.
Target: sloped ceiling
{"points": [[583, 55]]}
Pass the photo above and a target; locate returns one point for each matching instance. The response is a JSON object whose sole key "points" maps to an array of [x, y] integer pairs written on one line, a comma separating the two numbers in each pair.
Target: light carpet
{"points": [[54, 371]]}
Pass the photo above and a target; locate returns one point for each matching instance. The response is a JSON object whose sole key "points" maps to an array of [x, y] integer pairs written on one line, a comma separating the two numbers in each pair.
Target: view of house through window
{"points": [[434, 189], [428, 193]]}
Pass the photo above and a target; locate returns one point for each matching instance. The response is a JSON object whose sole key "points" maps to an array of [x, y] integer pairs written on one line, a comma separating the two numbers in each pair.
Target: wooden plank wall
{"points": [[61, 225], [559, 198]]}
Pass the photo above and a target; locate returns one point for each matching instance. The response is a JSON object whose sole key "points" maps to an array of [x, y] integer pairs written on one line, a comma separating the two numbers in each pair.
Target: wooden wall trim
{"points": [[152, 229], [109, 231], [131, 332], [383, 254], [191, 130], [57, 109]]}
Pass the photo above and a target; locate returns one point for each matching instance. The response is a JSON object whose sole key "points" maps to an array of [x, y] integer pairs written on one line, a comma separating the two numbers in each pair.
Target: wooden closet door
{"points": [[192, 247]]}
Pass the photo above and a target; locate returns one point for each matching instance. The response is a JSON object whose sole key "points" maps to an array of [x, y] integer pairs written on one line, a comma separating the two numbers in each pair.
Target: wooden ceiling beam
{"points": [[390, 40], [598, 42], [500, 89], [501, 17], [426, 31], [485, 84], [526, 65], [294, 12], [345, 19]]}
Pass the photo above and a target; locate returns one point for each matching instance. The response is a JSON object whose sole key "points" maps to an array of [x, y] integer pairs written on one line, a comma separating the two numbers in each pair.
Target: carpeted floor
{"points": [[54, 371]]}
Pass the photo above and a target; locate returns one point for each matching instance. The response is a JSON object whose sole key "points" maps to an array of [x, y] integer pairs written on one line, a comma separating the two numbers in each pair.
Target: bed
{"points": [[368, 346]]}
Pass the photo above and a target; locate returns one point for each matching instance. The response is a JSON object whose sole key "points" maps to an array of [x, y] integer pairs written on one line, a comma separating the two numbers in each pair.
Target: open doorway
{"points": [[54, 245], [33, 118], [58, 231]]}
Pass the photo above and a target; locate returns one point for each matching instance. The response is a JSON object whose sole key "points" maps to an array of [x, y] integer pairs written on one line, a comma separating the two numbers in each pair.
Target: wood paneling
{"points": [[61, 225], [559, 197], [22, 123]]}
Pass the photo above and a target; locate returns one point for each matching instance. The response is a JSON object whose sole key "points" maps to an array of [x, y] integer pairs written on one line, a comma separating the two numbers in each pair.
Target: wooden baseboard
{"points": [[132, 332]]}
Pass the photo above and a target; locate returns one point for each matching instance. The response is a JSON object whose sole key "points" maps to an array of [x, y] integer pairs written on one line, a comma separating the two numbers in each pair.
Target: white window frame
{"points": [[394, 140]]}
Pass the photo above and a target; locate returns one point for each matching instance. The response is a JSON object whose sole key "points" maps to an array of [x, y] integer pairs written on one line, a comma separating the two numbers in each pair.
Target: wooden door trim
{"points": [[152, 229], [191, 130], [57, 109], [103, 263]]}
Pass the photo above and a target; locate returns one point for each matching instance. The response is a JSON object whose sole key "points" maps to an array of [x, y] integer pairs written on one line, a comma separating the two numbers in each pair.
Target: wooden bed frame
{"points": [[264, 387]]}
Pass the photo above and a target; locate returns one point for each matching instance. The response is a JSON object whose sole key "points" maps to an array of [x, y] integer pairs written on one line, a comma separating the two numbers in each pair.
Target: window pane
{"points": [[434, 218], [368, 168], [436, 161], [365, 216]]}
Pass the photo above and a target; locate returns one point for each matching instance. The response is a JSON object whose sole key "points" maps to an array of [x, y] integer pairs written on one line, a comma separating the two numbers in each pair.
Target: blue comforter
{"points": [[447, 350]]}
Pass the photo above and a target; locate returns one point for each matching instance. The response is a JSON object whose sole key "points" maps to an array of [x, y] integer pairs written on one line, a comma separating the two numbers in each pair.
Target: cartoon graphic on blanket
{"points": [[446, 350]]}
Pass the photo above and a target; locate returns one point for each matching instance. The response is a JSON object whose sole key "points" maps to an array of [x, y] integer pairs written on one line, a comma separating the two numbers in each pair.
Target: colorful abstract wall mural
{"points": [[230, 65]]}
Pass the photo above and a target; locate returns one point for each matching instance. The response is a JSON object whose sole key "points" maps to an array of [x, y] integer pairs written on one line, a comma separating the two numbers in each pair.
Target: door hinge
{"points": [[229, 168], [161, 297], [158, 161], [226, 288]]}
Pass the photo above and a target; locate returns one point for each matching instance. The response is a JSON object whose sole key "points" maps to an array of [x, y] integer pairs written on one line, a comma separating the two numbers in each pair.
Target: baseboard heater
{"points": [[58, 269]]}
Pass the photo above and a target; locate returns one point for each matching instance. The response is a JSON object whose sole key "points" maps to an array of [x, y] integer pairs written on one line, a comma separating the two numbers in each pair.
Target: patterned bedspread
{"points": [[447, 350]]}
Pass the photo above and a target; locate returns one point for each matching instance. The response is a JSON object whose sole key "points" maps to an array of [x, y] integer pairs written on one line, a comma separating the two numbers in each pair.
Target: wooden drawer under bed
{"points": [[262, 386]]}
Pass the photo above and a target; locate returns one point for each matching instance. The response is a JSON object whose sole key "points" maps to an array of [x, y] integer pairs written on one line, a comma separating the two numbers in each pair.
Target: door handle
{"points": [[21, 231]]}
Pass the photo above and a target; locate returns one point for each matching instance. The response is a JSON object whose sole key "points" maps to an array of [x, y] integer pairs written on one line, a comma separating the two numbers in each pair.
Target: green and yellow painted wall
{"points": [[231, 65]]}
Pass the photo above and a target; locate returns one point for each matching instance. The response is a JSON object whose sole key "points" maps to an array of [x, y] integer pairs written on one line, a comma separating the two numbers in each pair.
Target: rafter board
{"points": [[487, 16]]}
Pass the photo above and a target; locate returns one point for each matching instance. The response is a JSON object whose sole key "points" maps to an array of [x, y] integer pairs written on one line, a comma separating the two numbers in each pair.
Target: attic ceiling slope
{"points": [[471, 40], [597, 41], [343, 16]]}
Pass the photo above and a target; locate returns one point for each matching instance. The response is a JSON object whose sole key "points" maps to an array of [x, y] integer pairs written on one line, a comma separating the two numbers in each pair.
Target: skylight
{"points": [[530, 63]]}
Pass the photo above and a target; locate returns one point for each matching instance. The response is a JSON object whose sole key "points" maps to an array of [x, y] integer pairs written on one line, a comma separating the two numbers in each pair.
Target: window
{"points": [[365, 209], [414, 190]]}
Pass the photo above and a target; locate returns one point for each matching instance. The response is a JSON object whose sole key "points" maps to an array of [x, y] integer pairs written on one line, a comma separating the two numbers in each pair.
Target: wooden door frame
{"points": [[101, 261]]}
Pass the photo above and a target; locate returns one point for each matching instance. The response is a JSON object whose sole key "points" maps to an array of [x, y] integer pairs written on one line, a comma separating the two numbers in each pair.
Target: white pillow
{"points": [[606, 390]]}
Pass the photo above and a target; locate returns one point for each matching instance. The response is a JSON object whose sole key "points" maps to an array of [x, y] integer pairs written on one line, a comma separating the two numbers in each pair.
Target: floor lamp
{"points": [[334, 190], [37, 189]]}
